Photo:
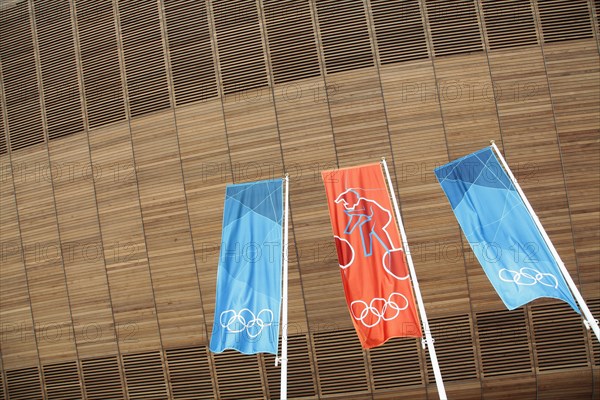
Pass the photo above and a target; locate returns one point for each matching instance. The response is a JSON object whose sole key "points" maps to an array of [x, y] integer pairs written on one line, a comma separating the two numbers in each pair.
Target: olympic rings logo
{"points": [[379, 308], [245, 320], [528, 276]]}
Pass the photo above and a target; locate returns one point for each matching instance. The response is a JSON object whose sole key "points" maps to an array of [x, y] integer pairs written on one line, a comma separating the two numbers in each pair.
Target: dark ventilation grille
{"points": [[144, 58], [504, 342], [62, 100], [62, 381], [345, 35], [2, 394], [24, 384], [396, 364], [509, 23], [238, 376], [399, 30], [300, 371], [454, 348], [241, 55], [340, 362], [20, 79], [291, 40], [100, 59], [559, 337], [594, 306], [454, 26], [191, 53], [189, 374], [102, 378], [145, 377], [565, 20]]}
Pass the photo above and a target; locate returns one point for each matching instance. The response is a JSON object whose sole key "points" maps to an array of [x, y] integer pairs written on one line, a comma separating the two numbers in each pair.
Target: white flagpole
{"points": [[589, 320], [284, 306], [428, 338]]}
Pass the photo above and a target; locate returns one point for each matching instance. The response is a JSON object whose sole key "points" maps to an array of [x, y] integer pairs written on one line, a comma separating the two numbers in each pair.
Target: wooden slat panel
{"points": [[100, 62], [559, 337], [238, 376], [145, 376], [565, 20], [291, 39], [399, 29], [240, 49], [358, 117], [454, 346], [307, 145], [81, 243], [504, 342], [16, 330], [531, 143], [509, 23], [573, 73], [594, 305], [24, 384], [59, 67], [43, 255], [301, 372], [454, 26], [167, 230], [62, 381], [102, 378], [567, 385], [397, 364], [419, 144], [470, 121], [3, 148], [340, 363], [252, 135], [206, 169], [20, 79], [345, 35], [190, 50], [519, 386], [123, 239], [190, 373], [144, 58]]}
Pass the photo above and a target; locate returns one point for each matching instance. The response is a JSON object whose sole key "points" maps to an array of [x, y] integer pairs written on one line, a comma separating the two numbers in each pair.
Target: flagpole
{"points": [[284, 308], [428, 338], [590, 321]]}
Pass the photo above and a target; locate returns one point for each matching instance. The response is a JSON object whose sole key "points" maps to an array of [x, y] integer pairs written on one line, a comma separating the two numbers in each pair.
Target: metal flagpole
{"points": [[589, 320], [428, 338], [284, 308]]}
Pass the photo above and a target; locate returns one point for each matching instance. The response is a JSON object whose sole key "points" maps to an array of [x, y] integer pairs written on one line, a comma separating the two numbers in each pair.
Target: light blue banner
{"points": [[501, 231], [249, 275]]}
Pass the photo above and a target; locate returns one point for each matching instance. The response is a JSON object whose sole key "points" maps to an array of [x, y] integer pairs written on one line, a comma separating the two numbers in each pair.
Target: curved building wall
{"points": [[122, 122]]}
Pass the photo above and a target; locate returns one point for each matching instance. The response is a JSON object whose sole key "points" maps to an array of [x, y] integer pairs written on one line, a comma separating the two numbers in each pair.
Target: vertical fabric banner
{"points": [[501, 231], [249, 275], [372, 263]]}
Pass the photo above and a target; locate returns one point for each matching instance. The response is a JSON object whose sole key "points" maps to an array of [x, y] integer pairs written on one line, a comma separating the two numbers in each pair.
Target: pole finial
{"points": [[492, 142], [382, 158]]}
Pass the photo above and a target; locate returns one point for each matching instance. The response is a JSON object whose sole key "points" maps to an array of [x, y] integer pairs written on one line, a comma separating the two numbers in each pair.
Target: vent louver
{"points": [[345, 35], [60, 84], [100, 62], [399, 30], [190, 50]]}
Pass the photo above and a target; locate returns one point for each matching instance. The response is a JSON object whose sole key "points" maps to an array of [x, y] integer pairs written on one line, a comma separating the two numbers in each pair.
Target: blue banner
{"points": [[249, 275], [501, 231]]}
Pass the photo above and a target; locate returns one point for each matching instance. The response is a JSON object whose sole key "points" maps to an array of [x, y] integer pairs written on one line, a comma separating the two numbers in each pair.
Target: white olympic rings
{"points": [[245, 320], [527, 277], [381, 312]]}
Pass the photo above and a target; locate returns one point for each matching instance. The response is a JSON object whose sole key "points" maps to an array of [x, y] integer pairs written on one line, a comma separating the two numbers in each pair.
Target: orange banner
{"points": [[372, 263]]}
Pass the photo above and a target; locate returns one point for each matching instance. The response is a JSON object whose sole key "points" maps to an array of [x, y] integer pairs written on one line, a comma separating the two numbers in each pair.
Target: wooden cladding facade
{"points": [[123, 120]]}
